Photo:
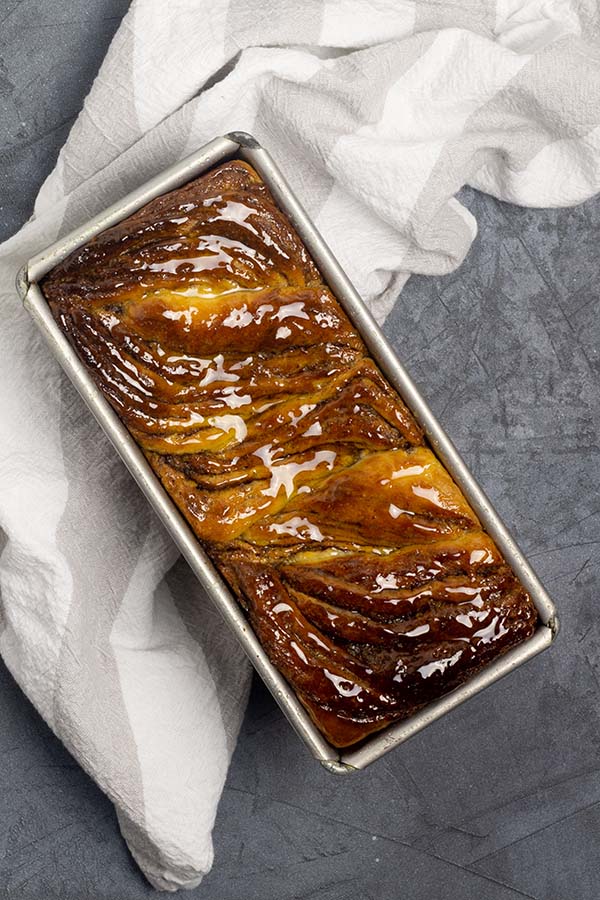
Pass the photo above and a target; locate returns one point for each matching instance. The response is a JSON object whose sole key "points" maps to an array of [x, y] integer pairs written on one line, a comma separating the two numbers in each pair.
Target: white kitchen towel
{"points": [[378, 111]]}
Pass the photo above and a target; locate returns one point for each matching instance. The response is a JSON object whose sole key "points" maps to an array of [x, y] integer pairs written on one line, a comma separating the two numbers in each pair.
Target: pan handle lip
{"points": [[22, 281], [244, 139], [337, 767]]}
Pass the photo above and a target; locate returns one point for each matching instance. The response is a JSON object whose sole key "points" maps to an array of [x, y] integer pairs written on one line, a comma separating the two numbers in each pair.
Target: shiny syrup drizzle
{"points": [[364, 571]]}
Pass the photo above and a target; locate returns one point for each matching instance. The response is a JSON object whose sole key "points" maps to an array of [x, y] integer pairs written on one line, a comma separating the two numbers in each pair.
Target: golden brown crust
{"points": [[362, 568]]}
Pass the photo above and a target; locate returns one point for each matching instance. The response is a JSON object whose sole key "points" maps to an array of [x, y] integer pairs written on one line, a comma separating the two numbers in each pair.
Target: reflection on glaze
{"points": [[363, 569], [284, 475], [297, 527], [439, 666], [229, 423], [215, 371], [344, 687]]}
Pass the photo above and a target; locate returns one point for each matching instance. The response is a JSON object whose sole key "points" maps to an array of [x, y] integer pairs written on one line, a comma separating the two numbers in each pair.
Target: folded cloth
{"points": [[378, 111]]}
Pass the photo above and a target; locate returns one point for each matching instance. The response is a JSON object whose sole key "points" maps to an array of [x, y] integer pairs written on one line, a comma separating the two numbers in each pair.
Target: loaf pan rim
{"points": [[244, 146]]}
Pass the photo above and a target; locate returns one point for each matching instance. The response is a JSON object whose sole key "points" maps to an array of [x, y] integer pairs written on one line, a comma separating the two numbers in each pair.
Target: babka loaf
{"points": [[362, 568]]}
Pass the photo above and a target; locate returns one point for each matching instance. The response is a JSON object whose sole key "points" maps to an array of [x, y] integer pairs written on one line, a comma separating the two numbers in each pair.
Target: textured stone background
{"points": [[501, 799]]}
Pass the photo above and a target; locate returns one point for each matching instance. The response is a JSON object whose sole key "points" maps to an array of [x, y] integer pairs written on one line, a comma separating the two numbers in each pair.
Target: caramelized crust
{"points": [[361, 566]]}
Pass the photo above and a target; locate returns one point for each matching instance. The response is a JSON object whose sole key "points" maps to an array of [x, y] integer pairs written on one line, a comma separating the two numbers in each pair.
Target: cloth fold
{"points": [[378, 111]]}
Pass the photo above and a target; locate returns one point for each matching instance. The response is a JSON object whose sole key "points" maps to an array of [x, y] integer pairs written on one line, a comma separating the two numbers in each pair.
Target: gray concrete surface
{"points": [[501, 799]]}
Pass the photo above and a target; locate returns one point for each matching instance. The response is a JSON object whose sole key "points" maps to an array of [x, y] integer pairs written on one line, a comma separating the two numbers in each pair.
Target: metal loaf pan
{"points": [[240, 145]]}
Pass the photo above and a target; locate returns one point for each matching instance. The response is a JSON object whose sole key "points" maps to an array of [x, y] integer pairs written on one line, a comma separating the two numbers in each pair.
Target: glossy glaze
{"points": [[363, 569]]}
